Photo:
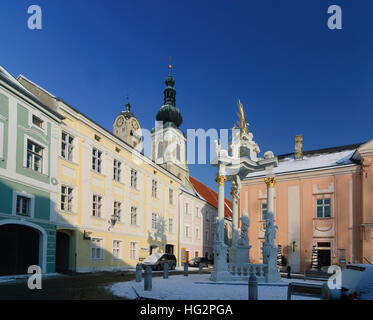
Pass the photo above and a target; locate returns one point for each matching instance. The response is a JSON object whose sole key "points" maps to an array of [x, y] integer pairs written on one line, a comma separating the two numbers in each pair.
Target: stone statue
{"points": [[245, 224], [271, 231], [219, 237]]}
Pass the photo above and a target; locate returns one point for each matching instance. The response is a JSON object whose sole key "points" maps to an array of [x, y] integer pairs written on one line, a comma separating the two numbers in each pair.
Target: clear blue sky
{"points": [[291, 72]]}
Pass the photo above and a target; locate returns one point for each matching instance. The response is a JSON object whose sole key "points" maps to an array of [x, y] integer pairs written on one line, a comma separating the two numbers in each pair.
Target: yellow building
{"points": [[115, 206]]}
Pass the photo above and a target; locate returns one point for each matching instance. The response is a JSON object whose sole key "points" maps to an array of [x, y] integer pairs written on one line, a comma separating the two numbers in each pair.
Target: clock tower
{"points": [[127, 128]]}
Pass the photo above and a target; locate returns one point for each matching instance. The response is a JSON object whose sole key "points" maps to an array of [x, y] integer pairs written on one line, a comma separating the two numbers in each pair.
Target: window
{"points": [[117, 252], [23, 206], [97, 252], [178, 157], [171, 196], [134, 178], [197, 234], [66, 198], [170, 225], [264, 211], [133, 250], [96, 206], [207, 216], [154, 188], [187, 208], [117, 170], [67, 146], [197, 212], [154, 220], [133, 216], [187, 234], [37, 121], [117, 210], [96, 160], [34, 156], [323, 208], [207, 235]]}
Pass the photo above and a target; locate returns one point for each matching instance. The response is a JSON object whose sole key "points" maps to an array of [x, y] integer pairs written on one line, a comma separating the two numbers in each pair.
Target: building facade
{"points": [[322, 205], [115, 206], [28, 179]]}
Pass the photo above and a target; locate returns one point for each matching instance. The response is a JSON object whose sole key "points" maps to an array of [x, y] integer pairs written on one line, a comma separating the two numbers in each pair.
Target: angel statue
{"points": [[242, 123]]}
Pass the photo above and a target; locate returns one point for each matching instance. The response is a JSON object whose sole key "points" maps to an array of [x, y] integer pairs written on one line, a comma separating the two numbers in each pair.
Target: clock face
{"points": [[120, 121]]}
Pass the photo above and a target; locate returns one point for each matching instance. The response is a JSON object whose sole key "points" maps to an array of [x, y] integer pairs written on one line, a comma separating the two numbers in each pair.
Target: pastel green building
{"points": [[28, 184]]}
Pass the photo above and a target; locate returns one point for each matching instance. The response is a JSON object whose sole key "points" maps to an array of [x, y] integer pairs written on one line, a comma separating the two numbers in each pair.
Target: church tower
{"points": [[127, 127], [168, 141]]}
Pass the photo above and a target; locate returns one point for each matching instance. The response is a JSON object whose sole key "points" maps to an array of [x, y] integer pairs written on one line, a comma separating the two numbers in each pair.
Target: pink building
{"points": [[323, 198], [198, 209]]}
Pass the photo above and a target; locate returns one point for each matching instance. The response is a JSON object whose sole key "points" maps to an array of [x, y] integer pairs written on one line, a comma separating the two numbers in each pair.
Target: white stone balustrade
{"points": [[241, 271]]}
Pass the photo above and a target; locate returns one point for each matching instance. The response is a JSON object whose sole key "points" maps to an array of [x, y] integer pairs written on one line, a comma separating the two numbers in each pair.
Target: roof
{"points": [[313, 160], [10, 80], [211, 196]]}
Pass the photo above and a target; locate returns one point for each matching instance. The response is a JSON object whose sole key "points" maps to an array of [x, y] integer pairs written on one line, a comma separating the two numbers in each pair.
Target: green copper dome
{"points": [[169, 114]]}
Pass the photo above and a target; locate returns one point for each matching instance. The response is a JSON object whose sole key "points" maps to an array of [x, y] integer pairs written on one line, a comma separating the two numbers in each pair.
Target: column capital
{"points": [[221, 180], [270, 181]]}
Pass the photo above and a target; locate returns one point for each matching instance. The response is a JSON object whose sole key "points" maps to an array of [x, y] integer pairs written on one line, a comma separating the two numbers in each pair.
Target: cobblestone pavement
{"points": [[79, 286]]}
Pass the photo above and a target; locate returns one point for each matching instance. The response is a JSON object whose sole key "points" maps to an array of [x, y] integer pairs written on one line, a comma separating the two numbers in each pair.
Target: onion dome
{"points": [[169, 114], [127, 113]]}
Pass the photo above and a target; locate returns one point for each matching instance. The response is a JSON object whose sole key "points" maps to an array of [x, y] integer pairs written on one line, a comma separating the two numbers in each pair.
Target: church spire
{"points": [[169, 114]]}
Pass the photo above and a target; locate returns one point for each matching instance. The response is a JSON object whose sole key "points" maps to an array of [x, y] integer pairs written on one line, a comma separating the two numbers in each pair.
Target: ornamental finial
{"points": [[169, 65]]}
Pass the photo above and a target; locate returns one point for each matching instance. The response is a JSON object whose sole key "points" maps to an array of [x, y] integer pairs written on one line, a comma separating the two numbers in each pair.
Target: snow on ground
{"points": [[199, 287]]}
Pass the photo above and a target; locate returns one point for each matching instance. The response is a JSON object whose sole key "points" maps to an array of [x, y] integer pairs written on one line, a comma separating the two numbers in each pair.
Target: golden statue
{"points": [[242, 123]]}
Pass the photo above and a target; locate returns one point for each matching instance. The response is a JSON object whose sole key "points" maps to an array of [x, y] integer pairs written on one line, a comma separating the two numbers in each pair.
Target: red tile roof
{"points": [[211, 196]]}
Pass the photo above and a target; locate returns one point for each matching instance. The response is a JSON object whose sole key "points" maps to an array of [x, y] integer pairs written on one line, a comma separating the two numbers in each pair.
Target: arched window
{"points": [[160, 149], [178, 157]]}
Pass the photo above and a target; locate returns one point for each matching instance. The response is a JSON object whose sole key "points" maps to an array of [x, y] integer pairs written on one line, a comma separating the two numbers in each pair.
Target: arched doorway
{"points": [[62, 251], [19, 247]]}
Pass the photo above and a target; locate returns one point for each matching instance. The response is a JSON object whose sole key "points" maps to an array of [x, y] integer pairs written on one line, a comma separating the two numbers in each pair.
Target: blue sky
{"points": [[293, 74]]}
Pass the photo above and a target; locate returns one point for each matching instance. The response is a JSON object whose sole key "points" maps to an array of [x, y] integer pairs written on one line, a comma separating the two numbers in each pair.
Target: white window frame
{"points": [[119, 249], [187, 212], [96, 164], [69, 147], [198, 234], [323, 207], [134, 176], [170, 225], [154, 220], [117, 170], [116, 209], [32, 203], [44, 165], [136, 251], [101, 247], [187, 231], [99, 209], [136, 215], [154, 188], [72, 198], [39, 115]]}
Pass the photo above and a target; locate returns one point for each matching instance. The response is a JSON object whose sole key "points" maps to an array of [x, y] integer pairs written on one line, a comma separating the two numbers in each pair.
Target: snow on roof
{"points": [[310, 162], [7, 75]]}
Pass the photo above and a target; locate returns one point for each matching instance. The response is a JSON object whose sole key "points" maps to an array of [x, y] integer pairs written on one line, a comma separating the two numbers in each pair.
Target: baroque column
{"points": [[220, 249]]}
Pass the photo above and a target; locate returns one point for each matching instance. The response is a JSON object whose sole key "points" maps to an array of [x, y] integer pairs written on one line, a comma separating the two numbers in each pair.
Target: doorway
{"points": [[19, 247], [62, 252]]}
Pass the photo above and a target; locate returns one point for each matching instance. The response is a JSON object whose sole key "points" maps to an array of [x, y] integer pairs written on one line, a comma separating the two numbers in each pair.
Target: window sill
{"points": [[98, 173], [36, 172], [69, 161], [98, 218], [67, 212]]}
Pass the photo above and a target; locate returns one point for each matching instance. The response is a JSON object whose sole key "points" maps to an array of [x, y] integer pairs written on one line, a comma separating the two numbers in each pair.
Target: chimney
{"points": [[298, 147]]}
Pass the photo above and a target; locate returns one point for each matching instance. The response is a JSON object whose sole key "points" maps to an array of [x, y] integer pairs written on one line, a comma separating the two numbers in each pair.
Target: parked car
{"points": [[357, 284], [196, 261], [157, 260]]}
